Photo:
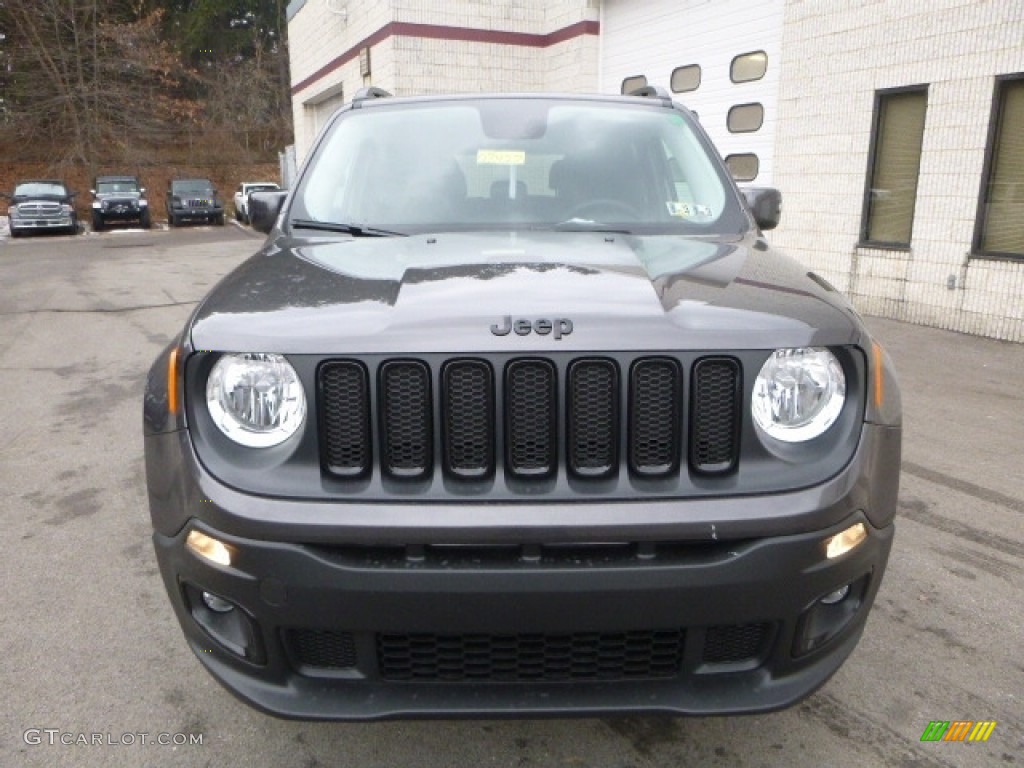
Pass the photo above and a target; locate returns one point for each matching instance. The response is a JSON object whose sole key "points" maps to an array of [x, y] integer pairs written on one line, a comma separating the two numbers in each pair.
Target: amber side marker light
{"points": [[879, 377], [843, 542], [173, 399], [209, 548]]}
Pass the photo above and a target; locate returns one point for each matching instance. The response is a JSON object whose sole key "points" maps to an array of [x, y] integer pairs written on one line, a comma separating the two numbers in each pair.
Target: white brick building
{"points": [[894, 128]]}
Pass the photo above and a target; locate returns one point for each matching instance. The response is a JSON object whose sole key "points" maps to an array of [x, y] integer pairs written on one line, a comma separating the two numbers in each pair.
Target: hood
{"points": [[454, 292], [18, 199]]}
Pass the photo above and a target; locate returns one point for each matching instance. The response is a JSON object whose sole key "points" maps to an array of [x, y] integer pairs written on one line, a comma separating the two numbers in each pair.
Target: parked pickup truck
{"points": [[242, 196]]}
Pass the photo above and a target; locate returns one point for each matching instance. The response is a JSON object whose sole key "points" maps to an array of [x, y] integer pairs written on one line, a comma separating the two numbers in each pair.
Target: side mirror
{"points": [[264, 208], [765, 203], [92, 192]]}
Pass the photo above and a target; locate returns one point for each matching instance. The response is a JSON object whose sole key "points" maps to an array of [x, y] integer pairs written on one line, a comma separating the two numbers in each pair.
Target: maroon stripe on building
{"points": [[461, 34]]}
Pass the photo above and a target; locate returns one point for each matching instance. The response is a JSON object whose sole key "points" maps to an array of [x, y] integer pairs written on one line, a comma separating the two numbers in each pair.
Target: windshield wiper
{"points": [[356, 230]]}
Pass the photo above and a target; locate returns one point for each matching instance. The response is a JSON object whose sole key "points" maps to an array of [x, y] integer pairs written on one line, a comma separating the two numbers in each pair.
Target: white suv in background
{"points": [[242, 196]]}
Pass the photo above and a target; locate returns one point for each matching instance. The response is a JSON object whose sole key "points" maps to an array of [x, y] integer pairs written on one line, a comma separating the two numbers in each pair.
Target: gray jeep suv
{"points": [[516, 412], [119, 199]]}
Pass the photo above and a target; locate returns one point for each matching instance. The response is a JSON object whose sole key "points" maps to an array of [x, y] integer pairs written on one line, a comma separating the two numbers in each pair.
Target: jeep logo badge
{"points": [[556, 326]]}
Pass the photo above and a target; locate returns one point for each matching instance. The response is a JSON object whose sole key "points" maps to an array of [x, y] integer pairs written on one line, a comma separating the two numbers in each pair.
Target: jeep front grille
{"points": [[531, 419]]}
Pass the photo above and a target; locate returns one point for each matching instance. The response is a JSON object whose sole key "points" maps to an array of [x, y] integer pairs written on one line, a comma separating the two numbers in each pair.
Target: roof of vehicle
{"points": [[648, 95], [39, 181]]}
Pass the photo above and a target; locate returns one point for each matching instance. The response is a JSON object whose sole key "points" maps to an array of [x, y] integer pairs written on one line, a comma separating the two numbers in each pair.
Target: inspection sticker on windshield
{"points": [[688, 210], [500, 157]]}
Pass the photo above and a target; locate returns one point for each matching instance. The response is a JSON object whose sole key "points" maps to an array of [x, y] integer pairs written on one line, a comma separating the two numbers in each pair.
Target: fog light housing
{"points": [[225, 622], [829, 615], [216, 603], [835, 596]]}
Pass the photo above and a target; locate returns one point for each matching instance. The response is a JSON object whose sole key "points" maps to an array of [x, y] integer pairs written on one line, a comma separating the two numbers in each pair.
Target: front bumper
{"points": [[328, 632], [49, 223], [197, 214]]}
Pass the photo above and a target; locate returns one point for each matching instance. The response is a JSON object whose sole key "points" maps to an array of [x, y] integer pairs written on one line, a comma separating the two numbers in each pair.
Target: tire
{"points": [[146, 221], [16, 233], [97, 223], [219, 220], [172, 220]]}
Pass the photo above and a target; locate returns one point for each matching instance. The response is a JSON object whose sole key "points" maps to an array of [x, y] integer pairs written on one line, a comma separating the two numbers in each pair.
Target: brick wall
{"points": [[835, 56]]}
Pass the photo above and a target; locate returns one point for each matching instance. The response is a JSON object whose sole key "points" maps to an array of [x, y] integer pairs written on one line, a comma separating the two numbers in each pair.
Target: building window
{"points": [[1000, 228], [894, 162], [743, 167], [745, 118], [685, 79], [631, 84], [748, 67]]}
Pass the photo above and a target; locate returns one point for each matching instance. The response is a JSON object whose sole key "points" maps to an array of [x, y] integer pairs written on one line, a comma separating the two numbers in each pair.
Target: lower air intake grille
{"points": [[541, 657], [729, 644], [321, 648]]}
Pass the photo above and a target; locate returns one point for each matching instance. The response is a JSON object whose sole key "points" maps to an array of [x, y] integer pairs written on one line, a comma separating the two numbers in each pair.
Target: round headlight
{"points": [[255, 399], [798, 394]]}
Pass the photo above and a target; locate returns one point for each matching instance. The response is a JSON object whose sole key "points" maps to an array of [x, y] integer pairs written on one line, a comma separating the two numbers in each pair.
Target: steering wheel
{"points": [[617, 208]]}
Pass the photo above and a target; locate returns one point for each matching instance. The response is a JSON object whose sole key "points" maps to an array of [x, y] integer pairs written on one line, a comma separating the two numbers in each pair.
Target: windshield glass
{"points": [[114, 187], [40, 189], [520, 163], [197, 187]]}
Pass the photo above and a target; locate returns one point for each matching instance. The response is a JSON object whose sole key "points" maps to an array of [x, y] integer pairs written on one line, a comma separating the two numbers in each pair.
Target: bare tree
{"points": [[85, 84]]}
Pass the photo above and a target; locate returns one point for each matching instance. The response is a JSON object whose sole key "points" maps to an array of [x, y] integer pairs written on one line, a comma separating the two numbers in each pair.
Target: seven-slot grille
{"points": [[528, 415]]}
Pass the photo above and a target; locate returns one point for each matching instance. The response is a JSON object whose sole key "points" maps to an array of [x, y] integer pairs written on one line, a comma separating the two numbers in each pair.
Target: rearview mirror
{"points": [[765, 203], [264, 208]]}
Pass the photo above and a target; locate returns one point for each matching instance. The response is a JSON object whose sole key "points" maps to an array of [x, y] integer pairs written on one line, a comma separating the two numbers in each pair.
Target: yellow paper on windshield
{"points": [[500, 157]]}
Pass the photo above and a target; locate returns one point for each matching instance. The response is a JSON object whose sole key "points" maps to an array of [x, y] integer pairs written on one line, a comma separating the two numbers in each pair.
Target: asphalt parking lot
{"points": [[92, 652]]}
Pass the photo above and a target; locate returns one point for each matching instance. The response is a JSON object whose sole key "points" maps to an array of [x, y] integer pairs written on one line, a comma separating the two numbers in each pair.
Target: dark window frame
{"points": [[744, 154], [700, 77], [622, 86], [728, 116], [732, 65], [991, 137], [869, 175]]}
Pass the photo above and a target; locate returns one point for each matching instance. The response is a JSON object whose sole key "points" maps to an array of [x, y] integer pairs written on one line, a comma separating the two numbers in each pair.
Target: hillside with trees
{"points": [[88, 85]]}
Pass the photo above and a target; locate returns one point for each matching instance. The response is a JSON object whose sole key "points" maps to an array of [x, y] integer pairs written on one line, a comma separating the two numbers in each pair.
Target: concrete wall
{"points": [[463, 46], [835, 55]]}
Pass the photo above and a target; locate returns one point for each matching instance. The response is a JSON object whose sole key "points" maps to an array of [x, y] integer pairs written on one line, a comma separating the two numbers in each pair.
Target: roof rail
{"points": [[651, 92], [370, 92]]}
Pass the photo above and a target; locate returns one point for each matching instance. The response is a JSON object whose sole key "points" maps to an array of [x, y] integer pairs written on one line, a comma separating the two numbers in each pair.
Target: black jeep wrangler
{"points": [[191, 200], [518, 412], [119, 199]]}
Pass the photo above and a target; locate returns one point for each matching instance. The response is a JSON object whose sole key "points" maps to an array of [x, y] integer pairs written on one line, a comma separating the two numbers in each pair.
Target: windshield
{"points": [[40, 189], [519, 163], [115, 187], [199, 187]]}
